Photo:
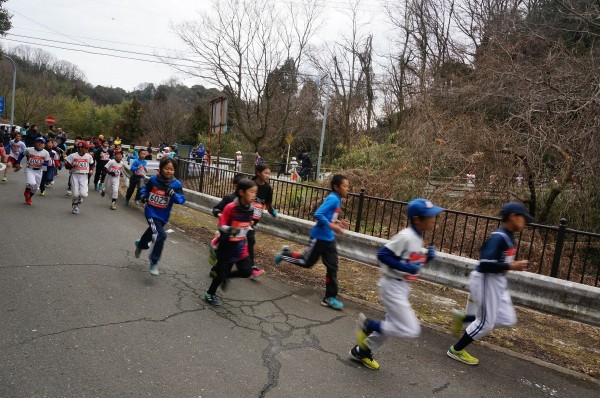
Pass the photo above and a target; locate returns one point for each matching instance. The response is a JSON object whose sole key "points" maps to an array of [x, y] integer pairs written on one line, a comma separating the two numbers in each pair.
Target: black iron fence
{"points": [[556, 251]]}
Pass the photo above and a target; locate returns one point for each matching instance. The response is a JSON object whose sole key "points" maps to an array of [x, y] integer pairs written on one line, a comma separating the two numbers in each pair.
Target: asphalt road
{"points": [[81, 317]]}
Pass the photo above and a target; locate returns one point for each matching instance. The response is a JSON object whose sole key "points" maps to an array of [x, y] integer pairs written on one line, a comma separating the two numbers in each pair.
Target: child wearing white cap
{"points": [[238, 161]]}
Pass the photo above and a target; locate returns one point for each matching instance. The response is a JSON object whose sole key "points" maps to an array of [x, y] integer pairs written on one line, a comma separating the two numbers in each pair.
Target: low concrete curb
{"points": [[568, 299]]}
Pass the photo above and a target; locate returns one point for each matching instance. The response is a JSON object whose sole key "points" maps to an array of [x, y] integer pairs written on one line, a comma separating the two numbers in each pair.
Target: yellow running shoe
{"points": [[365, 357], [361, 332], [458, 319], [462, 356]]}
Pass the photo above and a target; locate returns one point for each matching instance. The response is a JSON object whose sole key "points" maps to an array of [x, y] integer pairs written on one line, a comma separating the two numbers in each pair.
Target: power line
{"points": [[100, 40], [173, 64], [100, 48], [97, 53]]}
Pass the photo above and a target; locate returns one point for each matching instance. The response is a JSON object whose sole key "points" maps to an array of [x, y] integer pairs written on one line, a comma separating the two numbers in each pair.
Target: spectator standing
{"points": [[259, 159], [282, 166], [306, 167], [238, 161]]}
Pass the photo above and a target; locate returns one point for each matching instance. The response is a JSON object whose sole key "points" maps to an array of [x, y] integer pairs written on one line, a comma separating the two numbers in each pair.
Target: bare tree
{"points": [[350, 77], [165, 120], [238, 45]]}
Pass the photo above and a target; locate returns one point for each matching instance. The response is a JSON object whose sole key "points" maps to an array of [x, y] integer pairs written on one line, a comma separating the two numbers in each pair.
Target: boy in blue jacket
{"points": [[160, 193], [322, 241], [138, 172]]}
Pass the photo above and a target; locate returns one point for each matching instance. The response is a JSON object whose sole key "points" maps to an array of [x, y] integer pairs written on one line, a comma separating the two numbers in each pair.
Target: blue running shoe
{"points": [[332, 302]]}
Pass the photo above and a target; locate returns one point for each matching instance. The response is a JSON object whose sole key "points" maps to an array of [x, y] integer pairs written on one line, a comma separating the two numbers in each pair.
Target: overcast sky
{"points": [[141, 26]]}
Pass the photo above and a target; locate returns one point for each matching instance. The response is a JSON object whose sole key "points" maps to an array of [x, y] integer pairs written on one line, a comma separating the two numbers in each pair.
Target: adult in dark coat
{"points": [[306, 167]]}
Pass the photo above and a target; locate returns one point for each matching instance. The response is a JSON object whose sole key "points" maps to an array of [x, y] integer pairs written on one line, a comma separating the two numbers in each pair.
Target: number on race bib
{"points": [[258, 210], [158, 198]]}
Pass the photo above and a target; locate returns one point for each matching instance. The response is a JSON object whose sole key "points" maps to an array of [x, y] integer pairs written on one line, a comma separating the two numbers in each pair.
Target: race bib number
{"points": [[35, 161], [16, 149], [81, 165], [242, 230], [415, 257], [509, 255], [105, 156], [158, 198], [141, 171], [258, 210], [418, 257], [116, 170], [336, 215]]}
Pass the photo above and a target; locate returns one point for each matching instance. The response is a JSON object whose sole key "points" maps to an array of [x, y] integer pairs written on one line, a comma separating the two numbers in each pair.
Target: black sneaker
{"points": [[366, 358], [213, 299]]}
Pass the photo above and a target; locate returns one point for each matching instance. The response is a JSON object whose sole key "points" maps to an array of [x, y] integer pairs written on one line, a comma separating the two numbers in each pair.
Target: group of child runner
{"points": [[401, 259], [45, 159]]}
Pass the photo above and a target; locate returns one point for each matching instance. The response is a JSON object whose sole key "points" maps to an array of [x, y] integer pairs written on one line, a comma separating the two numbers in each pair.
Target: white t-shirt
{"points": [[408, 245], [82, 164], [16, 148], [36, 159], [114, 167]]}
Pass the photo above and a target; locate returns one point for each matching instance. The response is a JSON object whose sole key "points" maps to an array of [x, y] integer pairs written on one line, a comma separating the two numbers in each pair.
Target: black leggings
{"points": [[100, 174], [134, 182], [223, 268], [327, 251]]}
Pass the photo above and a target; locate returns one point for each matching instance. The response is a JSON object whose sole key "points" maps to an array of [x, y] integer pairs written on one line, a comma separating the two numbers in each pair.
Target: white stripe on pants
{"points": [[111, 186], [79, 186], [489, 293], [400, 319], [33, 179]]}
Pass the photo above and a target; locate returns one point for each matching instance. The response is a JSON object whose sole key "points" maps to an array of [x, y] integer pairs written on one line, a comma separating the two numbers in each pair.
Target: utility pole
{"points": [[323, 131], [14, 86]]}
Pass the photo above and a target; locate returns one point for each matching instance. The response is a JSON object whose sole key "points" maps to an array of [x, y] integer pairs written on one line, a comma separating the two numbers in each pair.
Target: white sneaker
{"points": [[68, 193], [154, 269], [76, 210]]}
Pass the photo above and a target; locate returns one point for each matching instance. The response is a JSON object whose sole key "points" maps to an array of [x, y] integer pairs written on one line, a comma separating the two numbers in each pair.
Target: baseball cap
{"points": [[82, 144], [41, 139], [516, 208], [422, 208], [101, 137]]}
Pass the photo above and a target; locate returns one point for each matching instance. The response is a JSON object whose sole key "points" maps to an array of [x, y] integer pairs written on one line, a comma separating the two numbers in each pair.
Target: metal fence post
{"points": [[560, 241], [201, 182], [361, 201]]}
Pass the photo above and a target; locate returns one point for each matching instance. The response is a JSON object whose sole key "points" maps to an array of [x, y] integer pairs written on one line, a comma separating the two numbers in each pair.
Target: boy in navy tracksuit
{"points": [[160, 193], [322, 241], [490, 305]]}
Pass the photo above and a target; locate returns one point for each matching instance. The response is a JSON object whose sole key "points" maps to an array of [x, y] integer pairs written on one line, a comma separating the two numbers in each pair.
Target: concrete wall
{"points": [[569, 299]]}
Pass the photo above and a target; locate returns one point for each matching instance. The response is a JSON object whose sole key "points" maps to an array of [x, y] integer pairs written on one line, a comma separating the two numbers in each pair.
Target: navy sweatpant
{"points": [[155, 234]]}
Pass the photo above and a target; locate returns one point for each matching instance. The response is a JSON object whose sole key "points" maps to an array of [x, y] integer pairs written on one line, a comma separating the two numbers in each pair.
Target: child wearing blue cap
{"points": [[401, 261], [489, 303]]}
